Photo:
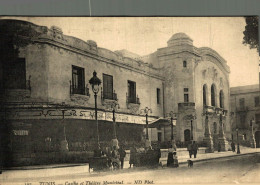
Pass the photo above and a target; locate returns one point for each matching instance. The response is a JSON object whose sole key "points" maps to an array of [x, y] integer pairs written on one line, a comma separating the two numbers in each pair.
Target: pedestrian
{"points": [[219, 147], [175, 160], [132, 160], [194, 148], [122, 154], [98, 152], [189, 148], [233, 146], [170, 159], [158, 151], [115, 158]]}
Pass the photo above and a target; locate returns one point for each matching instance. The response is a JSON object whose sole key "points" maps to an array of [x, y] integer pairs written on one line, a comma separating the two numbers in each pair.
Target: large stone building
{"points": [[245, 105], [48, 99]]}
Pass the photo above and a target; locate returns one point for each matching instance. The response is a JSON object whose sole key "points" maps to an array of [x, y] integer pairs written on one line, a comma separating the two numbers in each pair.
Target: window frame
{"points": [[105, 93], [186, 95], [158, 95], [132, 98], [184, 64], [78, 89]]}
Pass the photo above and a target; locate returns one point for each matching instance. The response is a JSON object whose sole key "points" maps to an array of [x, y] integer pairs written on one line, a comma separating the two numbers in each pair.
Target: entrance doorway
{"points": [[187, 135], [257, 139]]}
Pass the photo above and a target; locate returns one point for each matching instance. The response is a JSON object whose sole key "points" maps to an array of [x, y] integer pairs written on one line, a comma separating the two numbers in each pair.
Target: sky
{"points": [[144, 35]]}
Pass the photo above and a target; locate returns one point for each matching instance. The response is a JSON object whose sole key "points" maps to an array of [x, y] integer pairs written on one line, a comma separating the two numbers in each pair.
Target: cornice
{"points": [[96, 56]]}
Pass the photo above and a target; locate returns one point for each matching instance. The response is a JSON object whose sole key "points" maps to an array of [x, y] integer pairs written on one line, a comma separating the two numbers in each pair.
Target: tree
{"points": [[251, 32]]}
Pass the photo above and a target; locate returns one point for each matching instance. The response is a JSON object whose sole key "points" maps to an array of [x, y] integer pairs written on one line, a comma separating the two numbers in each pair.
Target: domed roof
{"points": [[180, 38]]}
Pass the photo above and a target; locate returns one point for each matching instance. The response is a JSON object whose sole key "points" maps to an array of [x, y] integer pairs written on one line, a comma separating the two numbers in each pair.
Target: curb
{"points": [[82, 164], [47, 167], [207, 159]]}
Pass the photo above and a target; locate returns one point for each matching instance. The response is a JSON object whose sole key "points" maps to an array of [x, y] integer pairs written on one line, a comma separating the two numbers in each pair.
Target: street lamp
{"points": [[253, 143], [64, 142], [172, 115], [146, 110], [114, 106], [95, 82], [238, 149], [207, 134]]}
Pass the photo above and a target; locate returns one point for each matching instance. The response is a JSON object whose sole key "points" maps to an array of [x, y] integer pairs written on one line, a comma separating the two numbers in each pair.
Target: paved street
{"points": [[238, 169]]}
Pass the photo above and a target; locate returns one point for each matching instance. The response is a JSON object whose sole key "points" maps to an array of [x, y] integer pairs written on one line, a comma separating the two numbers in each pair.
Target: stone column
{"points": [[221, 137], [207, 136]]}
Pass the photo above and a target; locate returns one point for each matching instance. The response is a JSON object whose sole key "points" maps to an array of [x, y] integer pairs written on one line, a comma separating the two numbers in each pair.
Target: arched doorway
{"points": [[257, 139], [187, 135]]}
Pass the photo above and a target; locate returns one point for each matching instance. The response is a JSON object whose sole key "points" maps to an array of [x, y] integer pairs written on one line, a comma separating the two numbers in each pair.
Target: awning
{"points": [[161, 122]]}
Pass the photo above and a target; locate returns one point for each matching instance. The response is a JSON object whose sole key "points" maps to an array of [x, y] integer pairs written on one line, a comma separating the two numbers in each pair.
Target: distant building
{"points": [[245, 105], [48, 99]]}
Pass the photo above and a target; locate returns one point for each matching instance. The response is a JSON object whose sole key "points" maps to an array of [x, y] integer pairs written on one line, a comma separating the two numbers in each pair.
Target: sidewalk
{"points": [[83, 168]]}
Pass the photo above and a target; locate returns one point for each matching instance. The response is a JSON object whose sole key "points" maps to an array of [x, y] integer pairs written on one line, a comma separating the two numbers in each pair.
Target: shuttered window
{"points": [[242, 103], [78, 80], [108, 86], [131, 91]]}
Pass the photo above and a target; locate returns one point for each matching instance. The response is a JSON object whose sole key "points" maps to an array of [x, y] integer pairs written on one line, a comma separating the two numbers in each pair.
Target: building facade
{"points": [[246, 118], [48, 99]]}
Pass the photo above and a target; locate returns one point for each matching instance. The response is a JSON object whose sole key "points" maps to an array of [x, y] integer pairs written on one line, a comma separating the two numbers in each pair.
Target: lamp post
{"points": [[95, 82], [253, 143], [238, 149], [191, 130], [207, 135], [172, 115], [221, 138], [114, 105], [146, 110], [64, 143]]}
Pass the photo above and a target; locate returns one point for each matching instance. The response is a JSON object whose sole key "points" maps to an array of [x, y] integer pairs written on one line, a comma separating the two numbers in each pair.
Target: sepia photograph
{"points": [[129, 100]]}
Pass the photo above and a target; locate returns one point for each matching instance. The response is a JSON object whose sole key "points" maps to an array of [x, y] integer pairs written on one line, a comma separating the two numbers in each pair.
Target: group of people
{"points": [[115, 157], [148, 156], [193, 149]]}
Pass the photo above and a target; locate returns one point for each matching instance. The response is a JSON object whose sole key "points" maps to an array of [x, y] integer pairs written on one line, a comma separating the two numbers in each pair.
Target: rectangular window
{"points": [[78, 80], [131, 91], [108, 86], [242, 103], [14, 74], [186, 94], [184, 63], [186, 97], [242, 120], [257, 118], [256, 101], [158, 96]]}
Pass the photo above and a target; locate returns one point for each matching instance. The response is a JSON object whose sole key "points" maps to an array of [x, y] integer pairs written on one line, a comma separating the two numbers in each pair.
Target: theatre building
{"points": [[48, 100]]}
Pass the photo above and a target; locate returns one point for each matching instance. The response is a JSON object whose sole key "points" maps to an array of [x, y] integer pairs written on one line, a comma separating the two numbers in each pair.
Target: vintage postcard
{"points": [[129, 100]]}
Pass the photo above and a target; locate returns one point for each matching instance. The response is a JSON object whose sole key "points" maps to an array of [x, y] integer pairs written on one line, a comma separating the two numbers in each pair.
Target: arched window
{"points": [[213, 95], [205, 90], [221, 99], [184, 63]]}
